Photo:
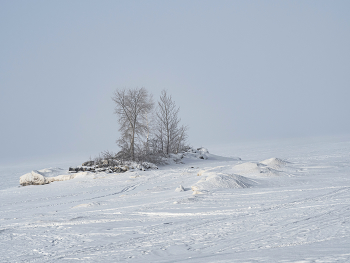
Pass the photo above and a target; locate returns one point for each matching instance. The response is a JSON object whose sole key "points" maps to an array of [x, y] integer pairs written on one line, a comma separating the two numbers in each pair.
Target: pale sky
{"points": [[239, 70]]}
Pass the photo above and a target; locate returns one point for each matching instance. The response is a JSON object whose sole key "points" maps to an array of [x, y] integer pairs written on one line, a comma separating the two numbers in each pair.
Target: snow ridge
{"points": [[212, 181]]}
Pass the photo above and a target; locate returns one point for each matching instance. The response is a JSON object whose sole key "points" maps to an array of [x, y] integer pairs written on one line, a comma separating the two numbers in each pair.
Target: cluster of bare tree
{"points": [[148, 132]]}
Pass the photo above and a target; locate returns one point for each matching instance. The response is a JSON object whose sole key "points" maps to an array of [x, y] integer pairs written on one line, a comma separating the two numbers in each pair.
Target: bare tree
{"points": [[181, 138], [133, 106], [168, 132]]}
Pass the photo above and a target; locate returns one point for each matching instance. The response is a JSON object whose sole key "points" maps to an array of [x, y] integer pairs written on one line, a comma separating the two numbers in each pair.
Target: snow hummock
{"points": [[275, 163], [254, 169], [201, 153], [34, 177], [195, 154], [212, 181], [269, 167]]}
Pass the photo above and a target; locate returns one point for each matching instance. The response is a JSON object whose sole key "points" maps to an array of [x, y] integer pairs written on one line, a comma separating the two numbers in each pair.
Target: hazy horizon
{"points": [[239, 71]]}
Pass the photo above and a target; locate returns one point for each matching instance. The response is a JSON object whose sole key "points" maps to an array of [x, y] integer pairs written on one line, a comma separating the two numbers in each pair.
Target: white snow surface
{"points": [[294, 207], [213, 181]]}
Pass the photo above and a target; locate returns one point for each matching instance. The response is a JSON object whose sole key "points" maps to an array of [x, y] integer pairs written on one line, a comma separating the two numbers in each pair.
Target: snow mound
{"points": [[214, 181], [33, 178], [275, 163], [247, 168], [195, 154], [45, 176], [199, 153], [255, 169], [190, 153]]}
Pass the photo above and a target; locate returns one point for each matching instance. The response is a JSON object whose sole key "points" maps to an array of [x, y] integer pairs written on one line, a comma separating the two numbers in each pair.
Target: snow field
{"points": [[299, 215]]}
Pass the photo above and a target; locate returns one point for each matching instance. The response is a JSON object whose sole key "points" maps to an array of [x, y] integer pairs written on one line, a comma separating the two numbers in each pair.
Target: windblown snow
{"points": [[213, 181], [199, 208]]}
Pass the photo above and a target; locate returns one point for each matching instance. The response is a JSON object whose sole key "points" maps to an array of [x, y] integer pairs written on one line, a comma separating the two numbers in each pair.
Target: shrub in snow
{"points": [[88, 163], [148, 165], [129, 165]]}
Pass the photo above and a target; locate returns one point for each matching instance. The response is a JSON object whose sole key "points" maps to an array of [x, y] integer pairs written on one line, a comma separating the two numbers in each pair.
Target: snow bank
{"points": [[213, 181]]}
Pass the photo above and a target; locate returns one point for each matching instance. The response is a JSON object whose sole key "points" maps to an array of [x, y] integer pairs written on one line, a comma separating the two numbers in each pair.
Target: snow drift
{"points": [[255, 169], [196, 154], [275, 163], [211, 181]]}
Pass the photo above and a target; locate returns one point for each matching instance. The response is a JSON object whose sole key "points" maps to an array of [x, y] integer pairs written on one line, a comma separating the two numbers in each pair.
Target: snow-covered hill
{"points": [[291, 207]]}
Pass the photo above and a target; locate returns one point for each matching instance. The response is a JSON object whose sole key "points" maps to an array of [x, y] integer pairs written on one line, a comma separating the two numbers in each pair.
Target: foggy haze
{"points": [[239, 71]]}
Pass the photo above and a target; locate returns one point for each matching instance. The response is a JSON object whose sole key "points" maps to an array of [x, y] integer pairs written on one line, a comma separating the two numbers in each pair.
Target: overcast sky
{"points": [[239, 70]]}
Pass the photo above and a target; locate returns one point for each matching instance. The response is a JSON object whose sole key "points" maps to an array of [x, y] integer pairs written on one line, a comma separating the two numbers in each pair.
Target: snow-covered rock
{"points": [[199, 153], [113, 166], [192, 154]]}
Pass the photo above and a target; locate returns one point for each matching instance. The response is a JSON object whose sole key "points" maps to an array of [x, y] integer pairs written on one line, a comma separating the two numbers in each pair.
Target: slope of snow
{"points": [[212, 181], [137, 216]]}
